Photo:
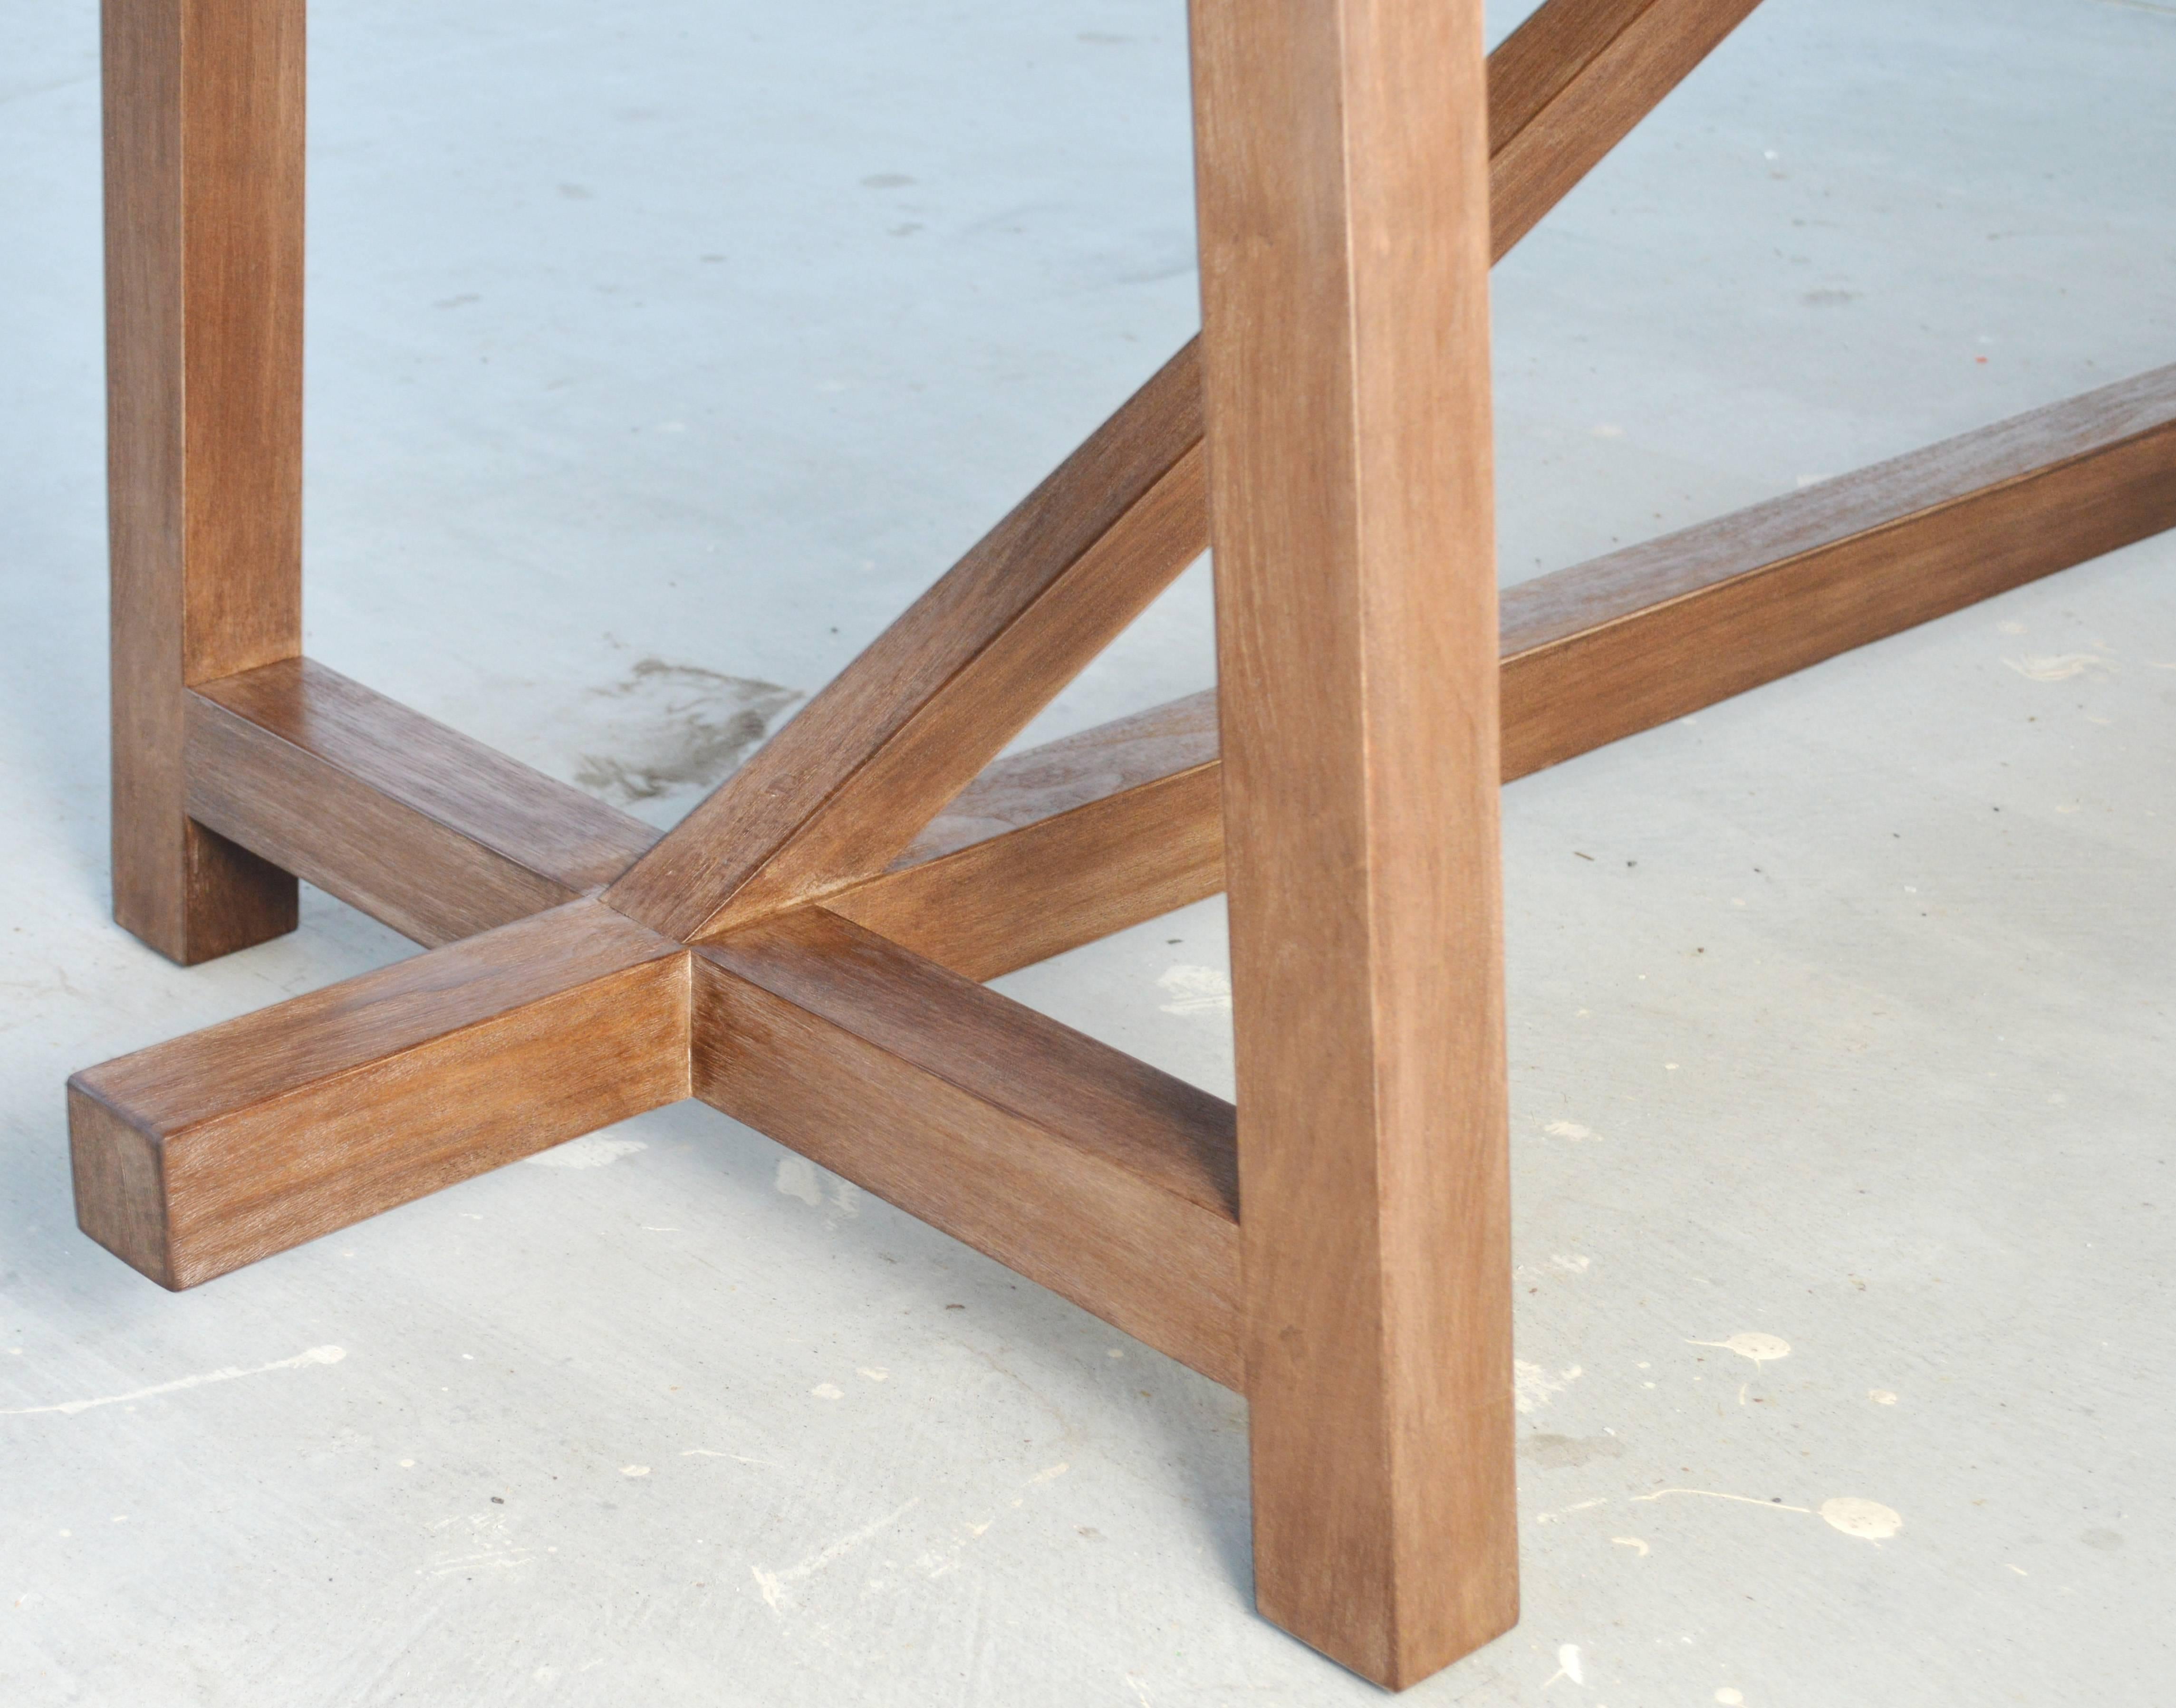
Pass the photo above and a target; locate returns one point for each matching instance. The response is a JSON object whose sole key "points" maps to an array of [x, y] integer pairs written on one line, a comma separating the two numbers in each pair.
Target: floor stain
{"points": [[671, 728], [1567, 1452]]}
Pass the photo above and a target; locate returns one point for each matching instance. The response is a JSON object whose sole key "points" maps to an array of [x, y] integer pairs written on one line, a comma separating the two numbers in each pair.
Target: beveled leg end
{"points": [[1393, 1552], [1386, 1657]]}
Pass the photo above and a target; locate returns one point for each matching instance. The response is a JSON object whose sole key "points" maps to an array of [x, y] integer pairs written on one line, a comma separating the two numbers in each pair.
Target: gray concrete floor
{"points": [[659, 355]]}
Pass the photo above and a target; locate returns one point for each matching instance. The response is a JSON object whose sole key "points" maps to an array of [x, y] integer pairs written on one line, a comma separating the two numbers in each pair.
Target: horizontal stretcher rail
{"points": [[437, 836], [1060, 846]]}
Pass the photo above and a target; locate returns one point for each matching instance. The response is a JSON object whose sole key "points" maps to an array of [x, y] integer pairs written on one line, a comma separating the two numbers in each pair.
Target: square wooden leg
{"points": [[801, 951], [1343, 195], [203, 234]]}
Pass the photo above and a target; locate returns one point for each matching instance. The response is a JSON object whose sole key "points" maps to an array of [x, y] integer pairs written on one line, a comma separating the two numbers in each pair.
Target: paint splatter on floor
{"points": [[592, 1151], [69, 1408], [773, 1585], [1569, 1666], [1761, 1349], [1196, 990], [2060, 667], [1532, 1387], [1869, 1518]]}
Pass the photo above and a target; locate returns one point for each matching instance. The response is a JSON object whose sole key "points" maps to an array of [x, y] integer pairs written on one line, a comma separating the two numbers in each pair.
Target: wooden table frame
{"points": [[805, 950]]}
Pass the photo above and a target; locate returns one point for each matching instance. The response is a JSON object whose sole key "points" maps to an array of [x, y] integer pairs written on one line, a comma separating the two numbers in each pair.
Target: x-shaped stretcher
{"points": [[805, 950]]}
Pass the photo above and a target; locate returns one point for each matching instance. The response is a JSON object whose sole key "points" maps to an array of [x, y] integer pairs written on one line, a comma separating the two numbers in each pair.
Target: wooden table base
{"points": [[805, 950]]}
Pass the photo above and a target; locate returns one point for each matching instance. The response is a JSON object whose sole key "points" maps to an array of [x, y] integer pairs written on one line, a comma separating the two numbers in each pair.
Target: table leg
{"points": [[204, 163], [1342, 160]]}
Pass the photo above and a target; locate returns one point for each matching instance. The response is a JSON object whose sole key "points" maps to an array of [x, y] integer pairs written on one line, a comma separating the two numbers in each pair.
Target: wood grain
{"points": [[1107, 1181], [1060, 844], [203, 244], [1627, 641], [1571, 82], [1590, 655], [1342, 188], [199, 1155], [839, 792], [1039, 783], [437, 836]]}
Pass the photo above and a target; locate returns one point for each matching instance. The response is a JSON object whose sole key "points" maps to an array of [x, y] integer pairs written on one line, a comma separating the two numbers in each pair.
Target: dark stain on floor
{"points": [[673, 727]]}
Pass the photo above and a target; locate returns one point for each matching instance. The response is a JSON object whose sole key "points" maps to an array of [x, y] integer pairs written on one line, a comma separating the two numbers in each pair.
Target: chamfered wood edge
{"points": [[1343, 196], [1078, 1167], [1076, 770]]}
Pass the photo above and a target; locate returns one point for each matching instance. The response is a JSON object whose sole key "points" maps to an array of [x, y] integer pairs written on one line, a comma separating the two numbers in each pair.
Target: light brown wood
{"points": [[848, 784], [1057, 846], [1060, 844], [197, 1157], [203, 239], [1623, 642], [1342, 194], [437, 836], [1107, 1181], [845, 786], [1076, 770], [1570, 84], [1590, 655], [1360, 165]]}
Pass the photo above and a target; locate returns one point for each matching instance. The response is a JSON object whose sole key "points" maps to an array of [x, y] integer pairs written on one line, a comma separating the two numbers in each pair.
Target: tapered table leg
{"points": [[204, 164], [1342, 157]]}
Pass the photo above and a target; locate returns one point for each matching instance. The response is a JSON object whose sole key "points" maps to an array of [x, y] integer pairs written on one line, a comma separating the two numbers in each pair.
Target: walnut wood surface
{"points": [[1360, 166], [1039, 783], [203, 244], [846, 786], [1625, 642], [1059, 845], [437, 836], [199, 1155], [1107, 1181], [1342, 188], [1590, 655], [1062, 844], [834, 795], [1570, 83]]}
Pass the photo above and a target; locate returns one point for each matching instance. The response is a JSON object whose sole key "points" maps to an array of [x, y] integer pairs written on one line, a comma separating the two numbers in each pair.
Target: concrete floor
{"points": [[659, 356]]}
